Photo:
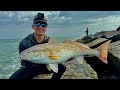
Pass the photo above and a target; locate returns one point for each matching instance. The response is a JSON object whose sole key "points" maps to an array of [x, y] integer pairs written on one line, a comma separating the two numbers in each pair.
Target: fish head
{"points": [[52, 53], [45, 55], [27, 55]]}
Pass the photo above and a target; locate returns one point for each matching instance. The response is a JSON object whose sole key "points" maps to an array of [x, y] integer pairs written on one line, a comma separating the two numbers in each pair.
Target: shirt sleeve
{"points": [[22, 47]]}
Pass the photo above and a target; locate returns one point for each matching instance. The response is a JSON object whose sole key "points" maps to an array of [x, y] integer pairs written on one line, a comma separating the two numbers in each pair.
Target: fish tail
{"points": [[103, 49]]}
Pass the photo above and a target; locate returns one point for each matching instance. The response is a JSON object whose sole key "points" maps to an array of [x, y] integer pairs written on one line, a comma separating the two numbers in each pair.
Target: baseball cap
{"points": [[39, 18]]}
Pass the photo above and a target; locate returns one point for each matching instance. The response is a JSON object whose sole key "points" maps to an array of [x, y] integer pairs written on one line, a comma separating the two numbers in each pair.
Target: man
{"points": [[29, 70]]}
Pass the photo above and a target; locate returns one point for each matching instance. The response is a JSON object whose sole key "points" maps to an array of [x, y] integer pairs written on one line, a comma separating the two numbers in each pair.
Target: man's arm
{"points": [[22, 47]]}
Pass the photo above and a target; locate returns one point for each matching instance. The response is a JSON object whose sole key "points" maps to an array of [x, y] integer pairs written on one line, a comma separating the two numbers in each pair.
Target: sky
{"points": [[17, 24]]}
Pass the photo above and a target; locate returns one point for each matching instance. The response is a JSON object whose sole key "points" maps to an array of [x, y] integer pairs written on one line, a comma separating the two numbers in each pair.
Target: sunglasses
{"points": [[40, 24]]}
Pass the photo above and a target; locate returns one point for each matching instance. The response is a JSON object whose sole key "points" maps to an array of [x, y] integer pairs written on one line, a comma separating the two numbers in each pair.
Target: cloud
{"points": [[105, 20], [7, 13], [60, 16], [25, 16]]}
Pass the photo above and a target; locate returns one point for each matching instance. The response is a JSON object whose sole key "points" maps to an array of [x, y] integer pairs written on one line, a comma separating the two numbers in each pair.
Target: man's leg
{"points": [[22, 73], [29, 73], [61, 70]]}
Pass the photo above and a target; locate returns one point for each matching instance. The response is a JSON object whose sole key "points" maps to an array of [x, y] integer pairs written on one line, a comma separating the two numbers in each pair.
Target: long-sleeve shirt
{"points": [[30, 41]]}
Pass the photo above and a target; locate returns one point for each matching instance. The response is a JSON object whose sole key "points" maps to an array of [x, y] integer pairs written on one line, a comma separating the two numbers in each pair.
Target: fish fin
{"points": [[53, 57], [54, 67], [103, 49], [48, 67], [76, 43], [79, 59]]}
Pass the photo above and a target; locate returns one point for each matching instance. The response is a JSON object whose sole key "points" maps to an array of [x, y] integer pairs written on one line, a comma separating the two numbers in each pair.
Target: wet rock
{"points": [[114, 56], [114, 48], [95, 42]]}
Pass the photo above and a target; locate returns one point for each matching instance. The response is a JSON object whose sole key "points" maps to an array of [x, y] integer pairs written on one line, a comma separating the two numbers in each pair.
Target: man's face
{"points": [[40, 28]]}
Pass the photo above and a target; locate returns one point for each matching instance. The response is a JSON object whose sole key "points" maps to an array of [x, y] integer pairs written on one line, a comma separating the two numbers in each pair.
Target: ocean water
{"points": [[9, 55]]}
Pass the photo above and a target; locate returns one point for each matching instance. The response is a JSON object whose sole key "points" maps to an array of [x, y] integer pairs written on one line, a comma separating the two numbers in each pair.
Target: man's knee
{"points": [[21, 73], [16, 75]]}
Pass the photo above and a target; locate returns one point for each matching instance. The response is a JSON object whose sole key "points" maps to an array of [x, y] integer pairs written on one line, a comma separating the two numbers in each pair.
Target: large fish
{"points": [[52, 54]]}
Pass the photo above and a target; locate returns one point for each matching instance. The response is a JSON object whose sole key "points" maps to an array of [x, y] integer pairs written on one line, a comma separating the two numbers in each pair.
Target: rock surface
{"points": [[74, 71], [114, 49]]}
